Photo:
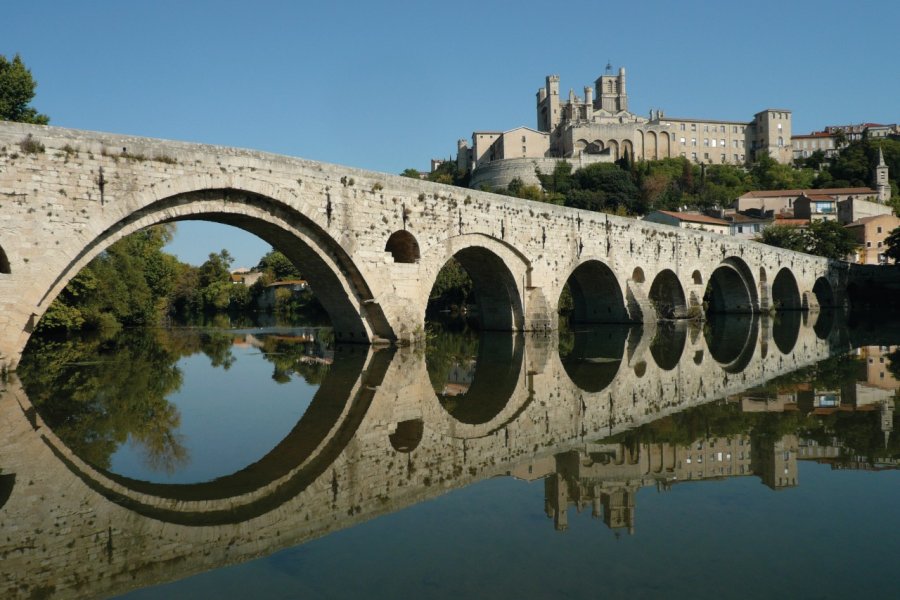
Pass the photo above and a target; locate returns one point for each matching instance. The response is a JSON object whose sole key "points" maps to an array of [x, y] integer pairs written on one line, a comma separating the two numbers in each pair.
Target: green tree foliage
{"points": [[128, 284], [452, 288], [97, 394], [278, 266], [769, 174], [822, 238], [893, 247], [17, 91]]}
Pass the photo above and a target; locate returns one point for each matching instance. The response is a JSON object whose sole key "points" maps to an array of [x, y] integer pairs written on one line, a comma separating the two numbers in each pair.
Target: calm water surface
{"points": [[746, 457]]}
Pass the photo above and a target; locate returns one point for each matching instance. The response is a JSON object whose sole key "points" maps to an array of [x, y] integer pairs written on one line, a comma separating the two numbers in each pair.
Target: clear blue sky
{"points": [[389, 85]]}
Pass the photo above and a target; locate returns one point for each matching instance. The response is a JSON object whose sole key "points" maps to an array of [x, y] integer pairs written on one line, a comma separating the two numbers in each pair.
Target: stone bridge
{"points": [[370, 244], [369, 444]]}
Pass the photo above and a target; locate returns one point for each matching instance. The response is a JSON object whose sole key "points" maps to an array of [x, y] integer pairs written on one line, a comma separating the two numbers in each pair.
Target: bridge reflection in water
{"points": [[390, 428]]}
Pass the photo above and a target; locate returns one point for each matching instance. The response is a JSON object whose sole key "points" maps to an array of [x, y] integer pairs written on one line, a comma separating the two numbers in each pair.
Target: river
{"points": [[744, 457]]}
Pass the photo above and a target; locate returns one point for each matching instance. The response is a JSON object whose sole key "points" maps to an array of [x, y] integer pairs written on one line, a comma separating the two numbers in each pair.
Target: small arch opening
{"points": [[4, 263], [637, 275], [697, 278], [407, 436], [403, 247]]}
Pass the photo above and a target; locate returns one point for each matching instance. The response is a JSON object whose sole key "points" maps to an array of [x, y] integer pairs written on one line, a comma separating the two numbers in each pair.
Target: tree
{"points": [[822, 238], [788, 237], [829, 239], [278, 266], [893, 248], [16, 91]]}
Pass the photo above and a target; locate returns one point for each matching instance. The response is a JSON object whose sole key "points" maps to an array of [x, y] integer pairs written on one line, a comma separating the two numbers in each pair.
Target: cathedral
{"points": [[598, 127]]}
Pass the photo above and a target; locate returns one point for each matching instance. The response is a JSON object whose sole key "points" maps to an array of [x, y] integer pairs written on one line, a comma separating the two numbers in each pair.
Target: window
{"points": [[723, 158], [879, 244], [706, 128], [523, 139], [693, 141], [706, 155], [780, 142], [693, 127], [694, 156], [878, 229], [722, 128], [682, 141], [735, 158], [779, 127], [682, 126], [722, 143], [706, 141], [868, 244]]}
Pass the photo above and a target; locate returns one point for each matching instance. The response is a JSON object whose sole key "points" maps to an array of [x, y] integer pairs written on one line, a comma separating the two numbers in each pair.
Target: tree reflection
{"points": [[96, 394]]}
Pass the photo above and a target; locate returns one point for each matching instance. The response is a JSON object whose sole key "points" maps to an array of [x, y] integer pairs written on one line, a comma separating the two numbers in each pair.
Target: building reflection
{"points": [[606, 476]]}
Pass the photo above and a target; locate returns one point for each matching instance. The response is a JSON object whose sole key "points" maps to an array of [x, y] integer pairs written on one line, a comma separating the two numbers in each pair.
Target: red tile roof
{"points": [[807, 192]]}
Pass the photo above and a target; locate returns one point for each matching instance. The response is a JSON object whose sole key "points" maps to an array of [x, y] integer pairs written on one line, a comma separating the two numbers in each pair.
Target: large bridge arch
{"points": [[500, 274], [785, 291], [667, 295], [330, 272], [731, 288], [597, 296]]}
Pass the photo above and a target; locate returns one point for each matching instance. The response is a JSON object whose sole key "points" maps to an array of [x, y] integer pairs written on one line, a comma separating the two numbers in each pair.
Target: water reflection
{"points": [[614, 410]]}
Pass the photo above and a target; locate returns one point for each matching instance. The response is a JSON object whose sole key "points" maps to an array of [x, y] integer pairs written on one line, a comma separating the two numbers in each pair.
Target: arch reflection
{"points": [[592, 356], [668, 344], [322, 432], [786, 330], [474, 379], [732, 340]]}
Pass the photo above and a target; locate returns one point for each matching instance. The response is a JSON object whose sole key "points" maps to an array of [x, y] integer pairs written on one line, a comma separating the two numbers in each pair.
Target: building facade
{"points": [[599, 127]]}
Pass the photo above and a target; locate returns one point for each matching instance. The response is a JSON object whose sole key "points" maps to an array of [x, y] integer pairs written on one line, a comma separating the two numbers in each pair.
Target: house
{"points": [[690, 220], [871, 233], [747, 226], [816, 207], [782, 201], [268, 297]]}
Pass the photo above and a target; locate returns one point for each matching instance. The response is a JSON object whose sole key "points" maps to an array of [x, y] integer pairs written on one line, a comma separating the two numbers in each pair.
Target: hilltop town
{"points": [[730, 177]]}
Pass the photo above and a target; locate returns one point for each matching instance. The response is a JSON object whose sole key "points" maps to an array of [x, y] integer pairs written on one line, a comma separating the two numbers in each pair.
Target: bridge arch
{"points": [[596, 294], [496, 268], [328, 269], [4, 263], [785, 292], [731, 288], [823, 292], [403, 247], [667, 295]]}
